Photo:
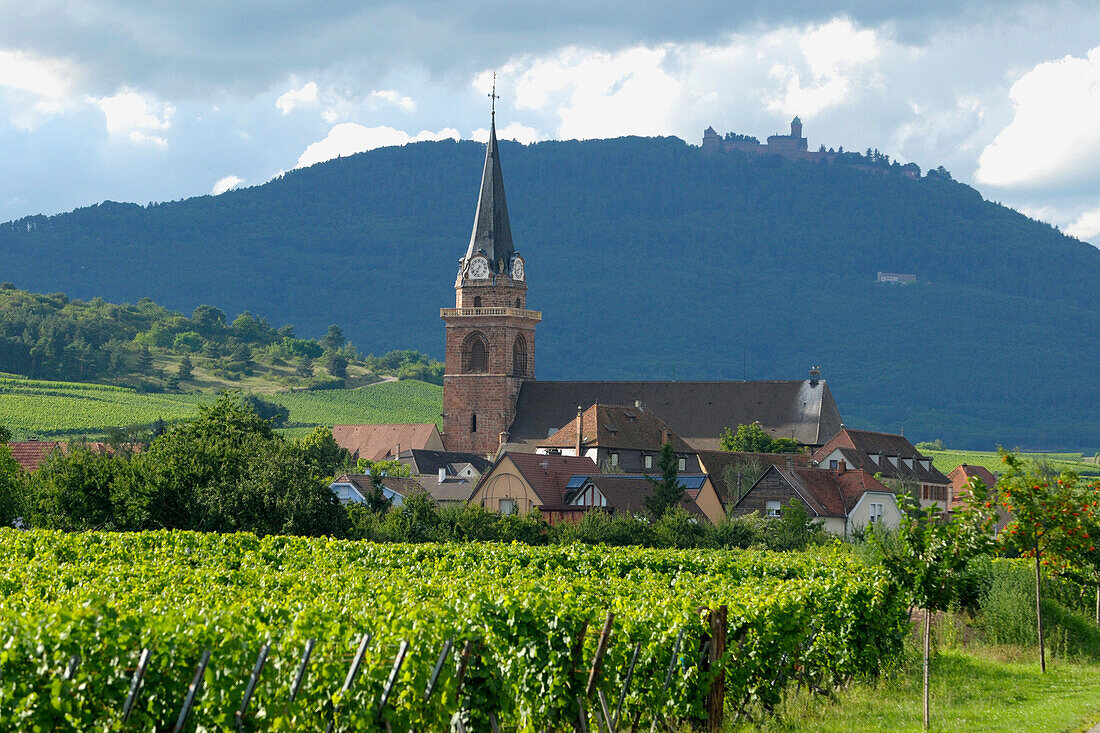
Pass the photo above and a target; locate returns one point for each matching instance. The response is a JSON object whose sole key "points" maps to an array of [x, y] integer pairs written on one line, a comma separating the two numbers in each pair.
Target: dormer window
{"points": [[647, 461], [615, 460], [875, 457], [681, 464]]}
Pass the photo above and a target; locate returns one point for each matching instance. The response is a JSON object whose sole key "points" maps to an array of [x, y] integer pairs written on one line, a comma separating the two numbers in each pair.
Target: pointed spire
{"points": [[492, 234]]}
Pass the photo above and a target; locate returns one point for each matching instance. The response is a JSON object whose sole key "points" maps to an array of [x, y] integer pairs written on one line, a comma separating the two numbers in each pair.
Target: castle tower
{"points": [[490, 332], [796, 128]]}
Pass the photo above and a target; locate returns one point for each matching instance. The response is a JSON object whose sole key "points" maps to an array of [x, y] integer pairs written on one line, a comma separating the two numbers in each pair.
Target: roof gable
{"points": [[31, 454], [548, 476], [862, 449], [617, 427]]}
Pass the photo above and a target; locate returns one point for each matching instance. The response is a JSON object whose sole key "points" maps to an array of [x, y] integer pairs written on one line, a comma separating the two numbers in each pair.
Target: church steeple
{"points": [[492, 233]]}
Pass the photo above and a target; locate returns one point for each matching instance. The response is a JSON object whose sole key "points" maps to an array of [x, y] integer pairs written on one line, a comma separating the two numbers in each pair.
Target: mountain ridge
{"points": [[666, 262]]}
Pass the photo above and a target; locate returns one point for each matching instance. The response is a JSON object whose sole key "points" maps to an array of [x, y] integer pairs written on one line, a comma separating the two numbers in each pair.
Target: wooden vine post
{"points": [[716, 695]]}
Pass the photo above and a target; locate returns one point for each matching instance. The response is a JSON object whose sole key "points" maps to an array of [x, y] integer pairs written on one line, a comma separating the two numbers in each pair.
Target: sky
{"points": [[146, 100]]}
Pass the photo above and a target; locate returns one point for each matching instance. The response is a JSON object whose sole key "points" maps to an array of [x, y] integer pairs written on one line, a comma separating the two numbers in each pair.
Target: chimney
{"points": [[442, 474], [397, 450], [502, 439], [664, 436], [580, 413], [815, 374], [841, 467]]}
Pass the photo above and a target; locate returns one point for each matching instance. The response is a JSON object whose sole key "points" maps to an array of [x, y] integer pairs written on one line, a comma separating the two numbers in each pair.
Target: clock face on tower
{"points": [[517, 269], [479, 268]]}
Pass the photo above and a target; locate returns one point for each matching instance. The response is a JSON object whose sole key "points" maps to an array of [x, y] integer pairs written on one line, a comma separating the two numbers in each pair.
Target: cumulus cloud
{"points": [[129, 114], [1086, 226], [405, 104], [306, 96], [1053, 137], [513, 131], [349, 138], [226, 184]]}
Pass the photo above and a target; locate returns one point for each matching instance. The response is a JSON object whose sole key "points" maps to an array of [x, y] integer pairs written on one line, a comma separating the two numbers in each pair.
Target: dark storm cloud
{"points": [[188, 48]]}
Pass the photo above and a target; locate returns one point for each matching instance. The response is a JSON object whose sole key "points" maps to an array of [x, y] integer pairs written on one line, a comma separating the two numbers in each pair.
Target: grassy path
{"points": [[977, 690]]}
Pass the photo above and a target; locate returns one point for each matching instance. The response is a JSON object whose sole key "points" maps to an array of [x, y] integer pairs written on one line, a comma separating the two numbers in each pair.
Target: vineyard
{"points": [[319, 634], [64, 409]]}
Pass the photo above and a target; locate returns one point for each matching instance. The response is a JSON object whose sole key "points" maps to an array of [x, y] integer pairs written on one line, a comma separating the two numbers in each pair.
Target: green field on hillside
{"points": [[31, 407], [946, 460]]}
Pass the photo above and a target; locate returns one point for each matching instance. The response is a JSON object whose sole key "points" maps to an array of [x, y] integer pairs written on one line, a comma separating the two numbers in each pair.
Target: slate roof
{"points": [[398, 484], [376, 442], [628, 493], [827, 493], [715, 462], [424, 462], [548, 475], [31, 454], [696, 411], [492, 233], [857, 447], [617, 427]]}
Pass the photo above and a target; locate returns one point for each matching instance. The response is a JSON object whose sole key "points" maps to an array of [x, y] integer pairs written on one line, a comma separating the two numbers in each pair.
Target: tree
{"points": [[667, 492], [304, 368], [12, 485], [208, 320], [383, 468], [144, 361], [185, 373], [754, 439], [323, 453], [334, 339], [930, 557], [336, 364], [272, 412], [73, 491], [1050, 523]]}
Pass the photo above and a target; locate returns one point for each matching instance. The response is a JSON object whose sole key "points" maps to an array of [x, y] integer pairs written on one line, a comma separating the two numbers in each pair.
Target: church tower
{"points": [[490, 332]]}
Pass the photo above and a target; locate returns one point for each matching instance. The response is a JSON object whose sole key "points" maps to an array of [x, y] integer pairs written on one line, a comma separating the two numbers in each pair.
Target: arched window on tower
{"points": [[519, 356], [475, 354], [477, 301]]}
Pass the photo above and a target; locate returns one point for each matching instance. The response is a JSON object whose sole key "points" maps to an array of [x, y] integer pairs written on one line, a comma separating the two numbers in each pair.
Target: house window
{"points": [[832, 464], [507, 506], [648, 461], [615, 459], [772, 508], [877, 512], [682, 464]]}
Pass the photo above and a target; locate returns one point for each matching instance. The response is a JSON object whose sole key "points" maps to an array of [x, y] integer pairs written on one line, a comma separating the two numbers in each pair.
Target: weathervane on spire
{"points": [[493, 96]]}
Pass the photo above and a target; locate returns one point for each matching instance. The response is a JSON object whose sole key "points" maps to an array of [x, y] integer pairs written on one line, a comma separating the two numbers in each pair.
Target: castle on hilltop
{"points": [[792, 146]]}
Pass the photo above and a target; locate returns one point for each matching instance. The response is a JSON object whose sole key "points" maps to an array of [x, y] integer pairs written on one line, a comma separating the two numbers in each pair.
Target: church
{"points": [[492, 402]]}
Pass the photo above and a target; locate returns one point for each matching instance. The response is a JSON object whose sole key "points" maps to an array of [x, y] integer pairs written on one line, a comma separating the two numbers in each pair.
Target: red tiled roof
{"points": [[866, 443], [549, 475], [376, 442], [614, 426], [715, 463], [960, 476], [31, 454]]}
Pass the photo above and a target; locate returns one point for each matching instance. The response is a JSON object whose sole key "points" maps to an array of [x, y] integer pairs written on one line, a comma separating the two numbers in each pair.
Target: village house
{"points": [[844, 500], [31, 454], [448, 476], [733, 472], [892, 458], [354, 488], [627, 494], [619, 439], [520, 482], [385, 442]]}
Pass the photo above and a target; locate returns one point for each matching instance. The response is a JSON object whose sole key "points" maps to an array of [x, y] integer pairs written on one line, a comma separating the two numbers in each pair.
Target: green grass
{"points": [[69, 409], [387, 402], [946, 460], [978, 689]]}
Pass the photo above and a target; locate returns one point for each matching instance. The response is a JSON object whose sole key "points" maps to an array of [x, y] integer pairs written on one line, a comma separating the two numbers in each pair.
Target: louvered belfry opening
{"points": [[475, 354], [519, 356]]}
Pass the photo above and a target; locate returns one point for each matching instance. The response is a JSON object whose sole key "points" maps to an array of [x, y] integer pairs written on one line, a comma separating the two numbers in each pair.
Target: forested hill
{"points": [[649, 259]]}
